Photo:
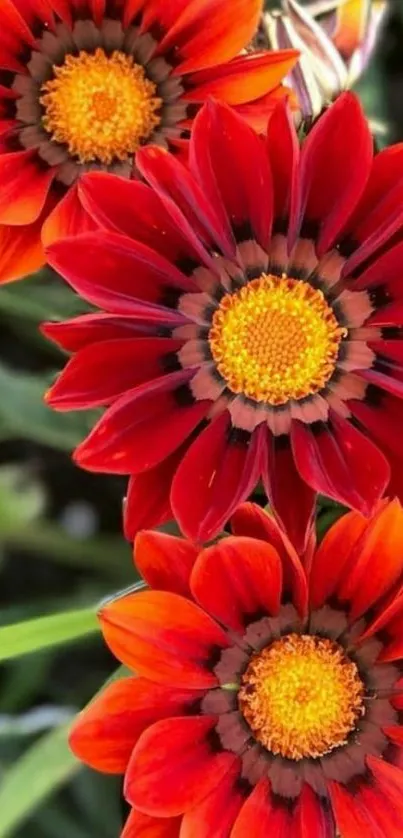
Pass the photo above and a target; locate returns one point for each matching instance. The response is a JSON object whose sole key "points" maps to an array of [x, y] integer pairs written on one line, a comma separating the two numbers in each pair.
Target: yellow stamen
{"points": [[275, 339], [102, 107], [302, 696]]}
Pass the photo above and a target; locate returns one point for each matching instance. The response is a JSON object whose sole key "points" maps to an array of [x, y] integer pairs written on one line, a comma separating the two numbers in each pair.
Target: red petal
{"points": [[237, 579], [106, 732], [256, 816], [250, 520], [102, 372], [139, 825], [114, 272], [223, 473], [350, 817], [341, 462], [222, 144], [163, 637], [230, 27], [148, 502], [134, 209], [333, 559], [24, 187], [215, 815], [309, 818], [383, 421], [141, 429], [87, 329], [379, 214], [282, 481], [165, 561], [341, 134], [174, 766], [283, 151], [242, 80], [21, 251], [68, 218], [379, 562], [256, 113]]}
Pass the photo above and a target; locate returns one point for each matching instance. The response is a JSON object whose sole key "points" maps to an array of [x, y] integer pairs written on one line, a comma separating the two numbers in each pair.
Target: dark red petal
{"points": [[378, 562], [148, 501], [341, 462], [165, 561], [283, 151], [342, 135], [141, 429], [16, 18], [380, 212], [24, 188], [101, 372], [177, 188], [236, 579], [174, 766], [163, 637], [134, 209], [105, 733], [282, 481], [334, 557], [222, 470], [139, 825], [383, 421], [114, 272], [230, 28], [88, 329], [215, 815], [242, 80], [250, 520], [222, 144]]}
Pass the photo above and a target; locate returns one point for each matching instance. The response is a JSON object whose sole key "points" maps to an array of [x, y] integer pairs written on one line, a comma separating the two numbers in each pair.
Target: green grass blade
{"points": [[43, 632]]}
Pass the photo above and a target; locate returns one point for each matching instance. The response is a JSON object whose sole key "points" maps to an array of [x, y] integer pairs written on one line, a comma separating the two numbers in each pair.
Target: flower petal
{"points": [[165, 561], [68, 218], [21, 251], [164, 637], [351, 818], [215, 815], [24, 188], [334, 557], [139, 825], [242, 80], [237, 579], [88, 329], [148, 501], [101, 372], [174, 766], [106, 732]]}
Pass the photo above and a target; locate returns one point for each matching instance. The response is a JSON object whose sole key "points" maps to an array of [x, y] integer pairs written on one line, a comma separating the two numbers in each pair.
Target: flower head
{"points": [[252, 323], [85, 84], [335, 38], [269, 694]]}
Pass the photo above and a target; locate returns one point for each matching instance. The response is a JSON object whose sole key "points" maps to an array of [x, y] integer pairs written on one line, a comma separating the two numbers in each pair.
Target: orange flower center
{"points": [[302, 696], [102, 107], [275, 339]]}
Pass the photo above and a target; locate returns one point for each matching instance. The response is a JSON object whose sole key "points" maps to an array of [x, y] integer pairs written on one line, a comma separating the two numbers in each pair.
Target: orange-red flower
{"points": [[85, 83], [253, 322], [269, 694]]}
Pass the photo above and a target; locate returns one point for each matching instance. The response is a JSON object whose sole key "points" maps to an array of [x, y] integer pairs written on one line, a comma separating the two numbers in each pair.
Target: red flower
{"points": [[269, 696], [84, 83], [253, 327]]}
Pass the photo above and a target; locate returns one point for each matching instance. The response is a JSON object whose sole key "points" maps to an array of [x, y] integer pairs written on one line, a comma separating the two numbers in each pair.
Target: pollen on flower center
{"points": [[275, 339], [302, 696], [102, 107]]}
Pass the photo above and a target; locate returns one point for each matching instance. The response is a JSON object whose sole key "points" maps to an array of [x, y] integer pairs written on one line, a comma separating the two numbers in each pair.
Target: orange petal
{"points": [[164, 637], [67, 219], [243, 79], [139, 825], [165, 561]]}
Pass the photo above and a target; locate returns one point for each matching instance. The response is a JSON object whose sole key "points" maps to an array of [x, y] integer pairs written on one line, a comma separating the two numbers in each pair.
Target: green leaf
{"points": [[39, 297], [42, 632], [42, 769], [23, 413]]}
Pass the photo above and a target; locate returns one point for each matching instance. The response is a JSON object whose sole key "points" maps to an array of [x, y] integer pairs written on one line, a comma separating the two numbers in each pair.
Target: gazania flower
{"points": [[268, 701], [85, 83], [336, 39], [251, 325]]}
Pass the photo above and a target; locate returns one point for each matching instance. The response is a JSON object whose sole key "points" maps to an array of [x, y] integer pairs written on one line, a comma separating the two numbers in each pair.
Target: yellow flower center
{"points": [[302, 696], [102, 107], [275, 339]]}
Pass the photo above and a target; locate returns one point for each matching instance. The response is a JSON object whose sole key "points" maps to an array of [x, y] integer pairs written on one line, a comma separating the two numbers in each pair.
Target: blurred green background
{"points": [[61, 550]]}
